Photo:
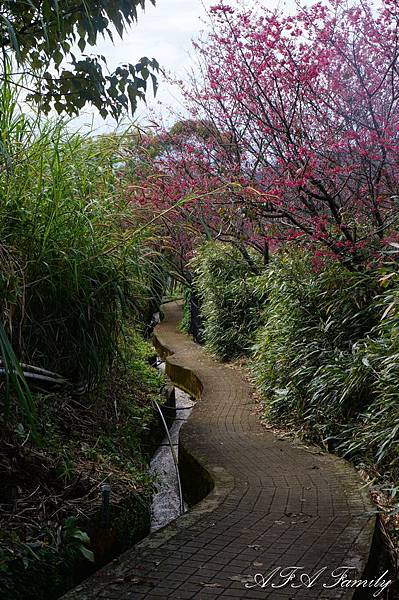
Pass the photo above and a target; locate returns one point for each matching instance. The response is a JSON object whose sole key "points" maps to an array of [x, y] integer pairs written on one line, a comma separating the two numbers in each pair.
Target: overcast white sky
{"points": [[165, 33]]}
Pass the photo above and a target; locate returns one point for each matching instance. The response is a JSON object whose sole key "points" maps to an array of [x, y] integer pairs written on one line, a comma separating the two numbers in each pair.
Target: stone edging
{"points": [[222, 482]]}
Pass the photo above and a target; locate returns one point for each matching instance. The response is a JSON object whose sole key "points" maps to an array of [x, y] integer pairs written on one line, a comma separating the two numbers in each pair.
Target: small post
{"points": [[105, 505]]}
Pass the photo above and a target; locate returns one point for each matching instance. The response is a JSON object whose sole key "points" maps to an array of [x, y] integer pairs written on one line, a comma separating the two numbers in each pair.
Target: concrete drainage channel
{"points": [[182, 484], [168, 503]]}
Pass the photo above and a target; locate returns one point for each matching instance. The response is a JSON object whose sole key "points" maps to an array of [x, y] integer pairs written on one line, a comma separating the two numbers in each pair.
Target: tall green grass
{"points": [[70, 266], [326, 360], [376, 430], [305, 360], [232, 299]]}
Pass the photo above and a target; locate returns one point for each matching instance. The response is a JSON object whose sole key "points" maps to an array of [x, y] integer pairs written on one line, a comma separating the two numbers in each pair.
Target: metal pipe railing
{"points": [[173, 455]]}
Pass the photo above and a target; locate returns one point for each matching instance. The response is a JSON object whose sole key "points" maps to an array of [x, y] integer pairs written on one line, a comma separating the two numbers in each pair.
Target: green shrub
{"points": [[327, 359], [232, 299], [375, 433], [184, 324], [306, 359]]}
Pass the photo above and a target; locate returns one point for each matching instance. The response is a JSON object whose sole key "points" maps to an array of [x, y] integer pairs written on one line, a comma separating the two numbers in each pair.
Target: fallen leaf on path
{"points": [[210, 585], [128, 578], [243, 578]]}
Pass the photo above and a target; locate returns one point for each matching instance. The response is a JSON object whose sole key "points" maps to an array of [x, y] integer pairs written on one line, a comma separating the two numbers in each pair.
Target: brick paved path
{"points": [[274, 503]]}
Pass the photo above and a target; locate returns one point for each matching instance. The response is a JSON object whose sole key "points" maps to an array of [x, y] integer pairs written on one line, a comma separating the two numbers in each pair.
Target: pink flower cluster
{"points": [[294, 130]]}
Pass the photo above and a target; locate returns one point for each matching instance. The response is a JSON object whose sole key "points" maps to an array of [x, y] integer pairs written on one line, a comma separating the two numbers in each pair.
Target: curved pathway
{"points": [[273, 505]]}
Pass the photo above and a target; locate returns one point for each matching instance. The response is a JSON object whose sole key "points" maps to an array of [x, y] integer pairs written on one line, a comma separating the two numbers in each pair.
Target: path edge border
{"points": [[221, 481]]}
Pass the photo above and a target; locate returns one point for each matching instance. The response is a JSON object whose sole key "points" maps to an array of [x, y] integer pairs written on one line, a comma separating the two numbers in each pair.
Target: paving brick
{"points": [[284, 505]]}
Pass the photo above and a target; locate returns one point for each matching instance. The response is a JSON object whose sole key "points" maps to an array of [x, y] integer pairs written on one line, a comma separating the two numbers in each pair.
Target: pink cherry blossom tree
{"points": [[185, 176], [294, 130], [310, 102]]}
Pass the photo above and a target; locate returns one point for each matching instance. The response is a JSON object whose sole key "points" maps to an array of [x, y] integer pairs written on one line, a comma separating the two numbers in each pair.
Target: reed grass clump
{"points": [[79, 280], [71, 264]]}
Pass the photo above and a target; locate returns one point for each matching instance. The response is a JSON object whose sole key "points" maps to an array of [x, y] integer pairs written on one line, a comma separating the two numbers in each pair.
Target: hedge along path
{"points": [[273, 504]]}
